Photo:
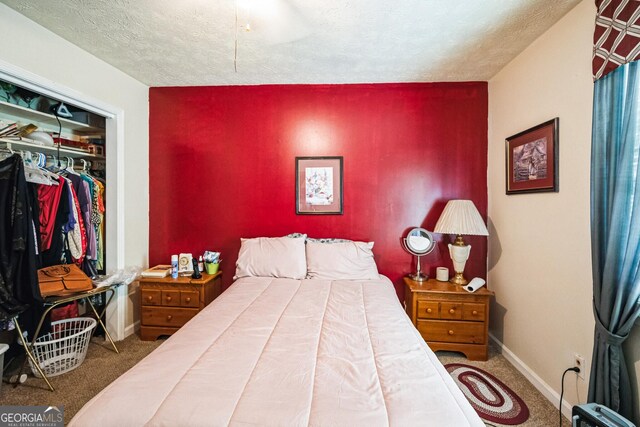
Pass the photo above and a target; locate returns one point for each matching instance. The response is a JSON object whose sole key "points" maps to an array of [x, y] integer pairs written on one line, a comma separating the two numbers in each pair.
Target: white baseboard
{"points": [[131, 329], [544, 388]]}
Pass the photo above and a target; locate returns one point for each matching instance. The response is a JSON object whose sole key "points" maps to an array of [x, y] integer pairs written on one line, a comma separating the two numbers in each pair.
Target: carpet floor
{"points": [[73, 389], [541, 412], [103, 365]]}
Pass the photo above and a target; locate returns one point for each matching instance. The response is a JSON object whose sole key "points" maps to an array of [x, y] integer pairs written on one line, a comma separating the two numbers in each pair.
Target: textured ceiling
{"points": [[192, 42]]}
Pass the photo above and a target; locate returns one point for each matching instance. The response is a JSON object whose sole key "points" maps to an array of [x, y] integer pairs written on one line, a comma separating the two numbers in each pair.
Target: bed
{"points": [[276, 351]]}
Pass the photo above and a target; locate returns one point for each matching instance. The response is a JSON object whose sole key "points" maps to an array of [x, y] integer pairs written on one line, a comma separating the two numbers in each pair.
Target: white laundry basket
{"points": [[64, 348]]}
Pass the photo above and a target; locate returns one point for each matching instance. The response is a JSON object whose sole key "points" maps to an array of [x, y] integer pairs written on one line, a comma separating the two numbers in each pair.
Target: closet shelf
{"points": [[12, 144], [41, 119]]}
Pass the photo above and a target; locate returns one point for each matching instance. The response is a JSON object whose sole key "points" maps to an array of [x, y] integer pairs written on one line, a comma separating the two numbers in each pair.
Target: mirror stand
{"points": [[419, 276]]}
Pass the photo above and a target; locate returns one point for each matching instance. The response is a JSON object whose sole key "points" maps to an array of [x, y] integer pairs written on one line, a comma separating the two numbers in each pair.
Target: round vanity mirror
{"points": [[419, 242]]}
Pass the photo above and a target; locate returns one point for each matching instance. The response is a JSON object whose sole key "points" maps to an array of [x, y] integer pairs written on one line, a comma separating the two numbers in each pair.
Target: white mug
{"points": [[442, 274]]}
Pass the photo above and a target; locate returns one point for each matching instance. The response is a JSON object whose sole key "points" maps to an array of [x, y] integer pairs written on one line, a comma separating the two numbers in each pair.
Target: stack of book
{"points": [[10, 130], [14, 131], [157, 272]]}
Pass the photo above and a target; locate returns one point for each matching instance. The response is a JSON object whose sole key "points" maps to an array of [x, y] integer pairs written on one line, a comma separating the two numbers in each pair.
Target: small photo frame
{"points": [[319, 185], [532, 159]]}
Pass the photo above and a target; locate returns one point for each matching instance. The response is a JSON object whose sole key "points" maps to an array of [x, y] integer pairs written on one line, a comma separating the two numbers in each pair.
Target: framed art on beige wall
{"points": [[319, 185], [532, 159]]}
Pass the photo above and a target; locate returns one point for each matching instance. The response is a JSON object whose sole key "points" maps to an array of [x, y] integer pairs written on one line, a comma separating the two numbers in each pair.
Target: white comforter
{"points": [[281, 352]]}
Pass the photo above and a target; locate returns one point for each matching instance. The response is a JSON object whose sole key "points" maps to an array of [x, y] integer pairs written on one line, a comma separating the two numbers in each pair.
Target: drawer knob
{"points": [[169, 317], [450, 332], [149, 298], [452, 310], [429, 310], [168, 298], [474, 312], [188, 299]]}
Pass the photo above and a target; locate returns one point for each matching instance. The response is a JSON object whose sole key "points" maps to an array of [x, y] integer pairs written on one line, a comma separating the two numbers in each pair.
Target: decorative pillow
{"points": [[328, 240], [296, 235], [341, 261], [282, 257]]}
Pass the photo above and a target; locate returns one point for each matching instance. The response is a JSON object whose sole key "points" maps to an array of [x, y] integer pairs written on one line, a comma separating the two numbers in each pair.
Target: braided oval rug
{"points": [[490, 397]]}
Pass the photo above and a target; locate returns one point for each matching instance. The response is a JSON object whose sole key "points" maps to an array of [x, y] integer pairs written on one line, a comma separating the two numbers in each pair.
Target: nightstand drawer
{"points": [[173, 302], [451, 331], [458, 320], [151, 297], [171, 298], [451, 310], [190, 299], [427, 310], [474, 312], [166, 316]]}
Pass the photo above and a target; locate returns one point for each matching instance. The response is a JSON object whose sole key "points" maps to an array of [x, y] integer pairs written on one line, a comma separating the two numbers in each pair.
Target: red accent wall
{"points": [[222, 162]]}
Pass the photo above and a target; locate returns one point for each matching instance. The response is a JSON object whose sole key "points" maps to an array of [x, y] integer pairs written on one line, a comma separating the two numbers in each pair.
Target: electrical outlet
{"points": [[578, 361]]}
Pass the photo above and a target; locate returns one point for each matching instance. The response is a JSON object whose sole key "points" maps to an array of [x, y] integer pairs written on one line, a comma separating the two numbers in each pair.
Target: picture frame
{"points": [[319, 183], [532, 159]]}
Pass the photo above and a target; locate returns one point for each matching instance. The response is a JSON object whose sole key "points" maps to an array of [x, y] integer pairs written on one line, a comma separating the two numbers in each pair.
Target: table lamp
{"points": [[460, 217]]}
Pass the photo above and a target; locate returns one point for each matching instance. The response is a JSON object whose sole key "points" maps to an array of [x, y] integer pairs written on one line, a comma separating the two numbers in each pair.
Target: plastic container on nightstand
{"points": [[211, 268]]}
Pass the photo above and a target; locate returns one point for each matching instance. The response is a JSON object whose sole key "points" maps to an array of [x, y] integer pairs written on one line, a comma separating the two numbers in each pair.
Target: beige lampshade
{"points": [[461, 217]]}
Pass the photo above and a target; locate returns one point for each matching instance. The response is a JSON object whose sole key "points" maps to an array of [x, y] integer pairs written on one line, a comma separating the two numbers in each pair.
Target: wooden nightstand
{"points": [[167, 303], [450, 318]]}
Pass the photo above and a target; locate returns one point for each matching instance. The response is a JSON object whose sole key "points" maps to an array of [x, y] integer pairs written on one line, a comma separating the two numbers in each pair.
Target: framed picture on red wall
{"points": [[532, 159], [319, 185]]}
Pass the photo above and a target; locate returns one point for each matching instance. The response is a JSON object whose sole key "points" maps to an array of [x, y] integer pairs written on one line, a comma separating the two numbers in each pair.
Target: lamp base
{"points": [[459, 253], [418, 277], [459, 279]]}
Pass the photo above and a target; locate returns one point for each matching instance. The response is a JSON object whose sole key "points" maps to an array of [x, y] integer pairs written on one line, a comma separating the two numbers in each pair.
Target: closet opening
{"points": [[57, 130], [56, 138]]}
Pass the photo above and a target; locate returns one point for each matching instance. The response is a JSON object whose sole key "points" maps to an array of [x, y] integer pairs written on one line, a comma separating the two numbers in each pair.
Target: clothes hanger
{"points": [[86, 171], [52, 169], [69, 168], [5, 153], [35, 173], [41, 165], [42, 160]]}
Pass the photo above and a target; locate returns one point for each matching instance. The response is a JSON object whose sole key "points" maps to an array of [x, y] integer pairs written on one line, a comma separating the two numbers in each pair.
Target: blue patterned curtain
{"points": [[615, 231]]}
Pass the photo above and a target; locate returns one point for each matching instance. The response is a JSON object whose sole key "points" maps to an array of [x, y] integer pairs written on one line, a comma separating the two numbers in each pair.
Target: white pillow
{"points": [[341, 261], [282, 257]]}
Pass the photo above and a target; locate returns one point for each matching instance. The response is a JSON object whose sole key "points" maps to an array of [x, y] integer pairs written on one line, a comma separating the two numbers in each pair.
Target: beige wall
{"points": [[540, 257], [31, 47], [632, 353]]}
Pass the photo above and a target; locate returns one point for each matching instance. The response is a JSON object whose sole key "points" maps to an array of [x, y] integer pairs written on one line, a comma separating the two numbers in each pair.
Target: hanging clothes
{"points": [[49, 197], [100, 234], [58, 251], [83, 195], [43, 225], [18, 277], [71, 220], [76, 233], [96, 189]]}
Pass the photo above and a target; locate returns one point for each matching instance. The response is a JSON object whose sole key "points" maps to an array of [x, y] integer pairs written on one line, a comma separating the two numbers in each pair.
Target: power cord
{"points": [[55, 113], [574, 369]]}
